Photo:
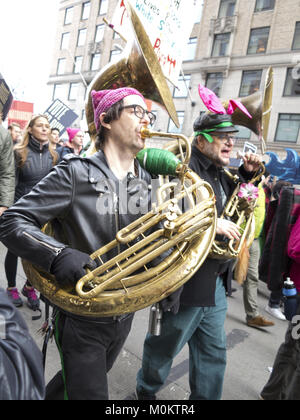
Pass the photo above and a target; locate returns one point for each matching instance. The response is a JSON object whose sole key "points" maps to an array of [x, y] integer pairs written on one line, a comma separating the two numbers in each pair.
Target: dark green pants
{"points": [[203, 330]]}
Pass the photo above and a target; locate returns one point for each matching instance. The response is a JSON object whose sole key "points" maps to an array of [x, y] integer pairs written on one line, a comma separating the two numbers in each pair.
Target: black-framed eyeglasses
{"points": [[225, 138], [140, 112]]}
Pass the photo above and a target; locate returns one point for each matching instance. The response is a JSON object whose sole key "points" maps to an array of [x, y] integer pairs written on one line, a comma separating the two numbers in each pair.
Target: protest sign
{"points": [[168, 26], [6, 98], [60, 116]]}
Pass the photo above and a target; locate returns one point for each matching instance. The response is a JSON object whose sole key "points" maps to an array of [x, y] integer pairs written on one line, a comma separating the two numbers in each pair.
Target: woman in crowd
{"points": [[34, 158]]}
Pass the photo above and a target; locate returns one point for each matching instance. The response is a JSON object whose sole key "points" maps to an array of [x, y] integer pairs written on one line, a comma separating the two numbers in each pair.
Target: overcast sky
{"points": [[27, 32]]}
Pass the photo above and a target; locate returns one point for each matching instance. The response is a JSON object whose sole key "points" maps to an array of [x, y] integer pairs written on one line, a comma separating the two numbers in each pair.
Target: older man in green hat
{"points": [[198, 315]]}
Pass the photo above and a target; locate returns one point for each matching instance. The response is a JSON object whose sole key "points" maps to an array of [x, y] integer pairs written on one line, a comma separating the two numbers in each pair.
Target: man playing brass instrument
{"points": [[197, 318], [70, 196]]}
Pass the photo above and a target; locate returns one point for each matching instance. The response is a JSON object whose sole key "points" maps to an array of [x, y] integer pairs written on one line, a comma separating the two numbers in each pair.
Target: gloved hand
{"points": [[69, 265], [172, 302]]}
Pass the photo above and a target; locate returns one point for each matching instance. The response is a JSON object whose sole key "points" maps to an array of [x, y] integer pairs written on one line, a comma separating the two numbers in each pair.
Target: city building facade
{"points": [[231, 46]]}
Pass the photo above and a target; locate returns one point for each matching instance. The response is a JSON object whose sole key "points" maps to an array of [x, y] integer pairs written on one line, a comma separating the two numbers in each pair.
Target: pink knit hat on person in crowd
{"points": [[104, 99], [72, 133]]}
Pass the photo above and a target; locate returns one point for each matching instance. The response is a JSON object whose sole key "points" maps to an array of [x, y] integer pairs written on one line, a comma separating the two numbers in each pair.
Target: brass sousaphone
{"points": [[118, 286]]}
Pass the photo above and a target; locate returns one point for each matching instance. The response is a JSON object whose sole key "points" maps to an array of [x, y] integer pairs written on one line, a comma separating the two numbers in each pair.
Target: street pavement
{"points": [[251, 352]]}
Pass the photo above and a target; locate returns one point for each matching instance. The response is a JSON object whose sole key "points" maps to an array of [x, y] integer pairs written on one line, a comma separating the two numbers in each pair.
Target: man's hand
{"points": [[2, 210], [252, 162], [228, 228]]}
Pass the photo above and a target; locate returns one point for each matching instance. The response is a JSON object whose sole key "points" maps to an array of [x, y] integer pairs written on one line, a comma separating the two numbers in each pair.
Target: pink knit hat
{"points": [[104, 99], [72, 132]]}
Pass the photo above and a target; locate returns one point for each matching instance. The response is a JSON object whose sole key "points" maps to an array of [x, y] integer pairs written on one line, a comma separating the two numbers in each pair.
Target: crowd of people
{"points": [[44, 180]]}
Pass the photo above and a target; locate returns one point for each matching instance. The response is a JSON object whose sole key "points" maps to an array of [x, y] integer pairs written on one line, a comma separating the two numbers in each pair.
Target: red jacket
{"points": [[294, 253]]}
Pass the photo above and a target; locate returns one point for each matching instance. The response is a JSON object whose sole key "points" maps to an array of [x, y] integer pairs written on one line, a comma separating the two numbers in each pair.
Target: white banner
{"points": [[168, 24]]}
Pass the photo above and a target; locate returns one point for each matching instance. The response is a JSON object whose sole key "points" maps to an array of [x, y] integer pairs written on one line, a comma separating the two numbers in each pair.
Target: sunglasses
{"points": [[140, 112]]}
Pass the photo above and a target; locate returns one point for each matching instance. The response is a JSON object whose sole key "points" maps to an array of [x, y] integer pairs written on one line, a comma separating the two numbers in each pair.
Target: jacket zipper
{"points": [[55, 249], [116, 211]]}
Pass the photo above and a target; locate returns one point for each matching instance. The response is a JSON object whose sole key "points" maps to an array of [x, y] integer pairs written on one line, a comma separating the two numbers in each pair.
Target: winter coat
{"points": [[293, 251], [21, 362], [200, 289], [67, 149], [260, 212], [282, 214], [38, 164], [7, 169]]}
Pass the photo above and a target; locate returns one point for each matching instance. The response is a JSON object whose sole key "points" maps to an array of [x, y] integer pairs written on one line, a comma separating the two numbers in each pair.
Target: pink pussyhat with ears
{"points": [[214, 105], [72, 133], [104, 99]]}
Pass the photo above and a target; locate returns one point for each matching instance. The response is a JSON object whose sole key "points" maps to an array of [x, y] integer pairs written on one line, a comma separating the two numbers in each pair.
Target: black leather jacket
{"points": [[200, 289], [21, 363], [86, 203]]}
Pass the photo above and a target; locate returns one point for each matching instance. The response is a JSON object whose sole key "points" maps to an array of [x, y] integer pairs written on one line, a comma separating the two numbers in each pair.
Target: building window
{"points": [[99, 33], [183, 86], [154, 111], [244, 132], [288, 128], [258, 40], [199, 10], [214, 82], [61, 66], [86, 7], [250, 82], [73, 91], [262, 5], [172, 127], [65, 39], [59, 92], [81, 37], [221, 44], [292, 82], [77, 64], [114, 55], [95, 61], [226, 8], [190, 51], [103, 7], [68, 15], [296, 41]]}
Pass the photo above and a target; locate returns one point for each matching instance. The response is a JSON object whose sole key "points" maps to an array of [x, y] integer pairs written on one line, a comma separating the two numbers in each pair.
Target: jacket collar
{"points": [[36, 145], [99, 161]]}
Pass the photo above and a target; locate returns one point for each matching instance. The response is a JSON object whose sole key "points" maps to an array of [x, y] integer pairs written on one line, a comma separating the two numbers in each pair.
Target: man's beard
{"points": [[216, 160]]}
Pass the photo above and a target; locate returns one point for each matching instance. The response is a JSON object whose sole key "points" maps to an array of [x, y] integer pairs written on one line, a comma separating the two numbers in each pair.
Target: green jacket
{"points": [[7, 169]]}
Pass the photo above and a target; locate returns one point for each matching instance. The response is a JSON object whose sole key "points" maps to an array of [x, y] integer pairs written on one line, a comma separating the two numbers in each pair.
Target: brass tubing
{"points": [[148, 133], [142, 262]]}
